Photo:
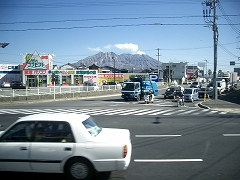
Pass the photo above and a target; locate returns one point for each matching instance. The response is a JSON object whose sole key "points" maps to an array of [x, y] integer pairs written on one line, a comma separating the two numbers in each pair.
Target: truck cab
{"points": [[136, 87], [131, 90]]}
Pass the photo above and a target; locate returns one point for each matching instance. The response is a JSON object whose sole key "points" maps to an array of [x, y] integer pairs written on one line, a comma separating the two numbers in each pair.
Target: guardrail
{"points": [[55, 92], [58, 92]]}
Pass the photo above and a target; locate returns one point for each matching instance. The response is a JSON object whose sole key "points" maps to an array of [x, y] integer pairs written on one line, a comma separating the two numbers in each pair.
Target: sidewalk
{"points": [[227, 102]]}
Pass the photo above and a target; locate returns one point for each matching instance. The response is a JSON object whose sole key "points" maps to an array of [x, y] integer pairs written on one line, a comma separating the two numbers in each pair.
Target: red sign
{"points": [[36, 72]]}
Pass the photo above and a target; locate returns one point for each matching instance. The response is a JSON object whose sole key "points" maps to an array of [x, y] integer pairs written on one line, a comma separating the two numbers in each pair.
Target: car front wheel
{"points": [[138, 98], [79, 169]]}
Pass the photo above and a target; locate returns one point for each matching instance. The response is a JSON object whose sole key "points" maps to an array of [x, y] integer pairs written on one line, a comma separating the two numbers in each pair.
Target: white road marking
{"points": [[231, 135], [143, 136], [161, 112], [167, 160]]}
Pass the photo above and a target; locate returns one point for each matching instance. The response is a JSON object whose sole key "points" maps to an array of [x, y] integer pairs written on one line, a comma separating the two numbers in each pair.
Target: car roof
{"points": [[190, 88], [68, 117]]}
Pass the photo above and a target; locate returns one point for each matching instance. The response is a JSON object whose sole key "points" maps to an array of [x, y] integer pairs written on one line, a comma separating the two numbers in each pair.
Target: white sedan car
{"points": [[63, 143]]}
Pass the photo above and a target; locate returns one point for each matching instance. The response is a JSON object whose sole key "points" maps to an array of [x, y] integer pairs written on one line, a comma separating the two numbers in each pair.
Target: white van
{"points": [[190, 94]]}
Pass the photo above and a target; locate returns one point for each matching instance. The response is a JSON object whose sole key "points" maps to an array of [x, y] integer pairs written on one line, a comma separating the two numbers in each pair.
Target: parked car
{"points": [[190, 94], [5, 85], [14, 82], [118, 86], [73, 144], [91, 86], [20, 86], [205, 90], [196, 84]]}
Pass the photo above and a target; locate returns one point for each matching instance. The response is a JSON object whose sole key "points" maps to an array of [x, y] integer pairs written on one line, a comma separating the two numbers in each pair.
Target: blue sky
{"points": [[73, 30]]}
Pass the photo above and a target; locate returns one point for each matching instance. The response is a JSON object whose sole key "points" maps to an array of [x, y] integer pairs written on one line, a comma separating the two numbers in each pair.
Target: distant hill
{"points": [[123, 61]]}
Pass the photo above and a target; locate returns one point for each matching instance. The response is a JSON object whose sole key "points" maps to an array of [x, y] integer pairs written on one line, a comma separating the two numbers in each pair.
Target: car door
{"points": [[15, 147], [53, 143], [195, 94]]}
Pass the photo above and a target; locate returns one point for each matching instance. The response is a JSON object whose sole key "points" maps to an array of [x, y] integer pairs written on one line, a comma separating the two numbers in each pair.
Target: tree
{"points": [[220, 73], [209, 72]]}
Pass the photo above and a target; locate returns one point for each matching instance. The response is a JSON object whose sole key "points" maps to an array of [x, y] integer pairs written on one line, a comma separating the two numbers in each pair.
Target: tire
{"points": [[138, 98], [79, 169]]}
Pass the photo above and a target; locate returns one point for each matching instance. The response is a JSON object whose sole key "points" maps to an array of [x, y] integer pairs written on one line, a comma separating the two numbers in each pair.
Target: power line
{"points": [[106, 26], [226, 50], [95, 3], [228, 19], [108, 19]]}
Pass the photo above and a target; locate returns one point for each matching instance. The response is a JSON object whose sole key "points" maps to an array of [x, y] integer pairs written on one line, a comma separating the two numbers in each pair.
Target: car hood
{"points": [[169, 92], [113, 135]]}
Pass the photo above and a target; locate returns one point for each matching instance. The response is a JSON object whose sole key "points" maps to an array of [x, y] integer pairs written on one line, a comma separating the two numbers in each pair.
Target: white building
{"points": [[175, 72], [9, 73]]}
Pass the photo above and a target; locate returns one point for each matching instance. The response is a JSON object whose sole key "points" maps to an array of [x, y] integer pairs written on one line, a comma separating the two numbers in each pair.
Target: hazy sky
{"points": [[73, 30]]}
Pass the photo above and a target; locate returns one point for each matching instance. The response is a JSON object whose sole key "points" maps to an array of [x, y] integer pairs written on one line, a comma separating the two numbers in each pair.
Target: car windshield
{"points": [[188, 91], [128, 87], [92, 127], [170, 90], [195, 83]]}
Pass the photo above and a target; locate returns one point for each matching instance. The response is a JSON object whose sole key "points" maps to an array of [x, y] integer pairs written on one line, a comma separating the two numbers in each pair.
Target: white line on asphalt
{"points": [[161, 112], [142, 136], [148, 112], [211, 112], [232, 135], [167, 160]]}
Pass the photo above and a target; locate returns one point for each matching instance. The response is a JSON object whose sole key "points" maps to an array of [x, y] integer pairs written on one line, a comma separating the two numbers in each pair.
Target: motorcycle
{"points": [[180, 101], [148, 97]]}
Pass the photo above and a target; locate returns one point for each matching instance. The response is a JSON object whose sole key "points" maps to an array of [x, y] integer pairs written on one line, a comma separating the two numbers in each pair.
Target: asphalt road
{"points": [[168, 142]]}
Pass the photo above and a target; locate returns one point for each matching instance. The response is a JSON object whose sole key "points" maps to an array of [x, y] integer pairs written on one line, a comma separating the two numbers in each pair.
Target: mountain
{"points": [[122, 61]]}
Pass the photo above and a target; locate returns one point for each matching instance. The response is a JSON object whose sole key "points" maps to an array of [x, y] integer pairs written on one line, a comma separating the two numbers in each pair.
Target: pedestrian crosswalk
{"points": [[120, 112]]}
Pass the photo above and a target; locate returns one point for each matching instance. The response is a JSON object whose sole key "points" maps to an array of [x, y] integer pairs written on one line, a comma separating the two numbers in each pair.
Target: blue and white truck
{"points": [[135, 88]]}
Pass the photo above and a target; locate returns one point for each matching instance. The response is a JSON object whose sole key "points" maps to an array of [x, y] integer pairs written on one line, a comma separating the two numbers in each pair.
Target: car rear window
{"points": [[92, 127], [187, 91]]}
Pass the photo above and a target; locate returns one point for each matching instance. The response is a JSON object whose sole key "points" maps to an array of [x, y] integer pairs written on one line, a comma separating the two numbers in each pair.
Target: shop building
{"points": [[38, 72], [9, 73]]}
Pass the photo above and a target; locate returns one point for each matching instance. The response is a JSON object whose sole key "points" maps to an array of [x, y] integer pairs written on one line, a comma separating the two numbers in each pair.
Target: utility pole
{"points": [[158, 55], [211, 20]]}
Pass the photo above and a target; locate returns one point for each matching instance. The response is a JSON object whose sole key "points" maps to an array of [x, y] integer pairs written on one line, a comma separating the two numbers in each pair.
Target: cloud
{"points": [[109, 46], [95, 49], [129, 46], [126, 47], [140, 52]]}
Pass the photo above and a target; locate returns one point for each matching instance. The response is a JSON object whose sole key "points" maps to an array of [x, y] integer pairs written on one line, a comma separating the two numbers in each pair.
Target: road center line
{"points": [[232, 135], [147, 136], [167, 160]]}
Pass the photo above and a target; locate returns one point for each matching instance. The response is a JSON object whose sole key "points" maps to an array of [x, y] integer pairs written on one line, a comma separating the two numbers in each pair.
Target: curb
{"points": [[203, 106]]}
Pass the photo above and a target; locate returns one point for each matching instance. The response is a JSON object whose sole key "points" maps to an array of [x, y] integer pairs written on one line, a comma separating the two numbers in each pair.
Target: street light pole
{"points": [[206, 68], [158, 55], [113, 68]]}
